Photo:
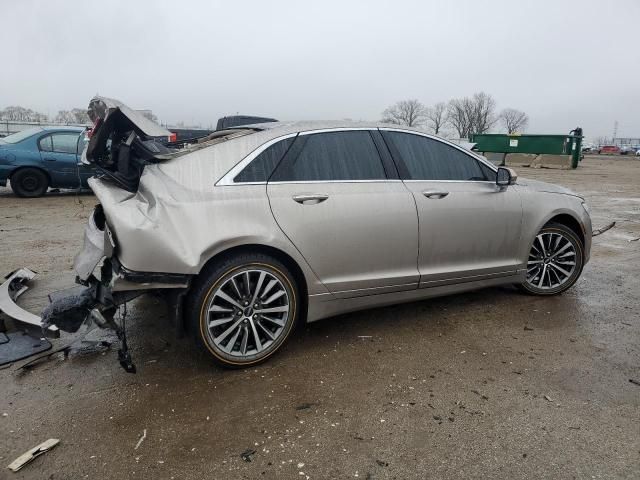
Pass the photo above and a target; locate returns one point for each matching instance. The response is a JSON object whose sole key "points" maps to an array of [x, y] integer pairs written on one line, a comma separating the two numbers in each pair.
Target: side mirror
{"points": [[506, 177]]}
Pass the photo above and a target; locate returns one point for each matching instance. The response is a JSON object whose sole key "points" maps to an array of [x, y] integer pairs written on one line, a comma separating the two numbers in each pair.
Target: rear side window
{"points": [[45, 144], [429, 159], [59, 142], [349, 155], [261, 167], [65, 142]]}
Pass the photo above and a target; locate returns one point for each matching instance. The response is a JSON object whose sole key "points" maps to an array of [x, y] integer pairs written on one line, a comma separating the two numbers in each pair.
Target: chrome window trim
{"points": [[446, 142], [450, 181], [380, 180], [228, 178]]}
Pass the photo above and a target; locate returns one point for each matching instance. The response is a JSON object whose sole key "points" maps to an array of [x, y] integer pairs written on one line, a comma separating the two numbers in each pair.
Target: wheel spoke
{"points": [[541, 242], [218, 308], [227, 298], [227, 332], [273, 297], [268, 288], [247, 283], [258, 287], [544, 271], [220, 321], [265, 330], [561, 250], [235, 287], [232, 342], [282, 309], [562, 270], [243, 343], [256, 337], [274, 320]]}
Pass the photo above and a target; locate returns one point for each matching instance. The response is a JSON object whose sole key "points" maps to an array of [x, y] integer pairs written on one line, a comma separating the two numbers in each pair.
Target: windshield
{"points": [[18, 137]]}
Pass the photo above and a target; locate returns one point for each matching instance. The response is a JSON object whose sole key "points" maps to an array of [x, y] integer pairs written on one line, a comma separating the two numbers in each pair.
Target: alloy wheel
{"points": [[247, 313], [552, 261]]}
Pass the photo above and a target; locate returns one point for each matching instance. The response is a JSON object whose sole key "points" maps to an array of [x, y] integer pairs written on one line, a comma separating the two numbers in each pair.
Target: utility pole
{"points": [[615, 132]]}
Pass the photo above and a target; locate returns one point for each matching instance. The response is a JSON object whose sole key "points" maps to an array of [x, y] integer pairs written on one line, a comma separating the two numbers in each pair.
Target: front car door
{"points": [[85, 171], [338, 202], [58, 152], [469, 227]]}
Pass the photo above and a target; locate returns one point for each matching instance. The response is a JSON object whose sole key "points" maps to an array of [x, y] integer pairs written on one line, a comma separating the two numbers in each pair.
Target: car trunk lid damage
{"points": [[123, 141]]}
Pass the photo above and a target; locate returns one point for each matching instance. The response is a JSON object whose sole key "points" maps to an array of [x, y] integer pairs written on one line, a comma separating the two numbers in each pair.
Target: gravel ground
{"points": [[490, 384]]}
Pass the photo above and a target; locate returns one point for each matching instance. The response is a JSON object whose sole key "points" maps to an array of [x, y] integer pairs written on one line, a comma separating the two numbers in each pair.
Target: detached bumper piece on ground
{"points": [[68, 310]]}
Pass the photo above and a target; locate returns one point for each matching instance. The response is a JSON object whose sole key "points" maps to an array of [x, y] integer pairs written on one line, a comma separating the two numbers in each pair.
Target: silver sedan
{"points": [[259, 228]]}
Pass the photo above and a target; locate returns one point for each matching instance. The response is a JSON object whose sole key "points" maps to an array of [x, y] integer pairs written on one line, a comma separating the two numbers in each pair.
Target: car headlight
{"points": [[587, 208]]}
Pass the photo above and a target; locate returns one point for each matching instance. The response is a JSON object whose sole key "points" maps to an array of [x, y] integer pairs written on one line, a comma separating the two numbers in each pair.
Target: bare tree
{"points": [[436, 117], [470, 115], [20, 114], [75, 115], [406, 112], [64, 116], [484, 106], [458, 116], [514, 120]]}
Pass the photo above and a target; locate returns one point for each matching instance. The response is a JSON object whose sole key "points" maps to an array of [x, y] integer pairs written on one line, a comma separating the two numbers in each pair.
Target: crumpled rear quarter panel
{"points": [[178, 219]]}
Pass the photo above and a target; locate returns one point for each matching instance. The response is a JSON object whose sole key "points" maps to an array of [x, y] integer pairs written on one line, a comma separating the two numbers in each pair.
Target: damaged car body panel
{"points": [[14, 286]]}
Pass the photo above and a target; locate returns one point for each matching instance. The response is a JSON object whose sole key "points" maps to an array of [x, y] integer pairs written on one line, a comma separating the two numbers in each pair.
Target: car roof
{"points": [[69, 128], [283, 128]]}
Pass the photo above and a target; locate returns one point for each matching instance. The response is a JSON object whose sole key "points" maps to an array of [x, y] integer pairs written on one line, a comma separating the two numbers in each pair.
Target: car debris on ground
{"points": [[30, 455], [600, 231]]}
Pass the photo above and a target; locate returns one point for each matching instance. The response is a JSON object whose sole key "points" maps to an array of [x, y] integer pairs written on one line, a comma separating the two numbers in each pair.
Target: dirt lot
{"points": [[490, 384]]}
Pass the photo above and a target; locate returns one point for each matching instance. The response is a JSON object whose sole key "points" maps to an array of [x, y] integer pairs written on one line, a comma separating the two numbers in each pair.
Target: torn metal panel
{"points": [[10, 290], [100, 107], [92, 252]]}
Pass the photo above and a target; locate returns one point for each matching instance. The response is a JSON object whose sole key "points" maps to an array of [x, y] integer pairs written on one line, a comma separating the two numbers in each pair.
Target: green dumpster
{"points": [[527, 143]]}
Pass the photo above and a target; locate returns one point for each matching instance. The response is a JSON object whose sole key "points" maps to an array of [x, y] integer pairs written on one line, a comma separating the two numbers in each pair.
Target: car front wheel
{"points": [[243, 309], [555, 261]]}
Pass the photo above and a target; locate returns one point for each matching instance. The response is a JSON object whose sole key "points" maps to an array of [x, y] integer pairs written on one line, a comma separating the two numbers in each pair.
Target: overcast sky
{"points": [[565, 63]]}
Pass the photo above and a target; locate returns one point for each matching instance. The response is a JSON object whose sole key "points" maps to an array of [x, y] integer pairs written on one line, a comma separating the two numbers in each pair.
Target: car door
{"points": [[355, 224], [58, 152], [85, 171], [469, 227]]}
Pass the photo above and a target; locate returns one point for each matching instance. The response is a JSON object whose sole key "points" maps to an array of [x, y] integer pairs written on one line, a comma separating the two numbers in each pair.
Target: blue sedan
{"points": [[34, 160]]}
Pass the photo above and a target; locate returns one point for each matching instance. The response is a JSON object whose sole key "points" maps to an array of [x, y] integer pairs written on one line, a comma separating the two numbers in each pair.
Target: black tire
{"points": [[216, 277], [29, 182], [529, 286]]}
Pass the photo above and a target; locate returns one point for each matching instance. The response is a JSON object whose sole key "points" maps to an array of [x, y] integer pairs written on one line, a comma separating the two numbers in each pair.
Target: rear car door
{"points": [[469, 227], [337, 200], [58, 152]]}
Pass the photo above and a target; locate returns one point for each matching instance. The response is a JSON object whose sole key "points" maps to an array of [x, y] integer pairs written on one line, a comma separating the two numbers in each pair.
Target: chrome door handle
{"points": [[310, 199], [435, 194]]}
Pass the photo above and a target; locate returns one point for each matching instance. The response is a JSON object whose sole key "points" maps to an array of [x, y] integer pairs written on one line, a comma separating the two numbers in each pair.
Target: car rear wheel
{"points": [[555, 261], [29, 182], [243, 309]]}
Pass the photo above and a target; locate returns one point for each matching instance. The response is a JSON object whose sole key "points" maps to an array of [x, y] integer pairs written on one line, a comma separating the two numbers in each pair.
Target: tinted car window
{"points": [[65, 142], [429, 159], [488, 172], [350, 155], [261, 167]]}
